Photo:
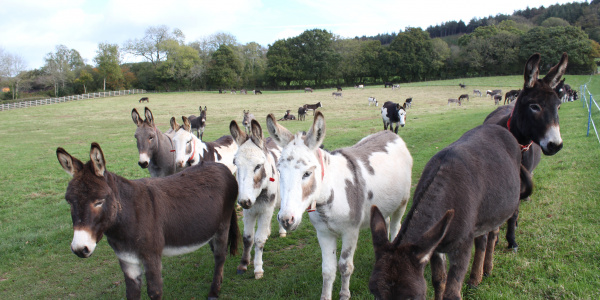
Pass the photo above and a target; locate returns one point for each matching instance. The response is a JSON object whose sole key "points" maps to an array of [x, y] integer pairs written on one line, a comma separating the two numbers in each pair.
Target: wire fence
{"points": [[588, 101], [33, 103]]}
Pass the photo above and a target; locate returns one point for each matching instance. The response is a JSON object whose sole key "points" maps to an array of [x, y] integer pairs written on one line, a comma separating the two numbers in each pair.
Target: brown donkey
{"points": [[533, 120], [146, 218], [465, 193]]}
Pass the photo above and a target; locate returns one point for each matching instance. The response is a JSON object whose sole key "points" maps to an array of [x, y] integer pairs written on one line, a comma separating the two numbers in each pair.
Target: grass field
{"points": [[558, 233]]}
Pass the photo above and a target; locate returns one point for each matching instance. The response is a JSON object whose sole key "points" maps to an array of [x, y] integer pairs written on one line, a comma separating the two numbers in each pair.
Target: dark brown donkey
{"points": [[533, 120], [146, 218], [153, 146], [465, 193]]}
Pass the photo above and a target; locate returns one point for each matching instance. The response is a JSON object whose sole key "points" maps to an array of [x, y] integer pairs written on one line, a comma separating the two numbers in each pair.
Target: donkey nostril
{"points": [[85, 251]]}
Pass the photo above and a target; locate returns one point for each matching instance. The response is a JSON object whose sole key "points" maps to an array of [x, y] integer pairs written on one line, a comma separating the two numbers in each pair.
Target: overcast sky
{"points": [[33, 28]]}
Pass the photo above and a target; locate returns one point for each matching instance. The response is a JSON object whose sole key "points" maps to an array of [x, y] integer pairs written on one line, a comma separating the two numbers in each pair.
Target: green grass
{"points": [[559, 254]]}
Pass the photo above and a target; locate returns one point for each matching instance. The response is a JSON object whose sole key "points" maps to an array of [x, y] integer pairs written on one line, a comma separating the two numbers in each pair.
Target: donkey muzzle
{"points": [[143, 164]]}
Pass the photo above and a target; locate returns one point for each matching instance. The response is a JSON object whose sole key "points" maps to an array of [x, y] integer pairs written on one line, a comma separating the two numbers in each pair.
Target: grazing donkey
{"points": [[248, 117], [477, 92], [466, 192], [463, 96], [190, 150], [462, 86], [373, 100], [337, 95], [308, 90], [147, 218], [301, 113], [392, 113], [313, 107], [153, 146], [144, 99], [497, 99], [454, 101], [533, 120], [199, 123], [258, 183], [407, 103], [339, 188], [510, 96]]}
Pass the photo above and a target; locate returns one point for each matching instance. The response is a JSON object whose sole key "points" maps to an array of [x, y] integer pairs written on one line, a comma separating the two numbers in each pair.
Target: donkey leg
{"points": [[154, 281], [438, 274], [328, 244], [132, 270], [477, 267], [396, 129], [459, 263], [263, 230], [488, 264], [511, 226], [249, 222], [220, 253], [396, 218], [346, 262]]}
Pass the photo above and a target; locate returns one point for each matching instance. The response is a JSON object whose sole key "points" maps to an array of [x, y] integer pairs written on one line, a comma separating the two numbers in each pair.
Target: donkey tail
{"points": [[526, 183], [234, 233]]}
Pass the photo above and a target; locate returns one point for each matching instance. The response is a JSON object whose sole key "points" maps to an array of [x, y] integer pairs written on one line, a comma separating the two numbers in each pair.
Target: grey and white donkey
{"points": [[258, 183], [248, 117], [339, 188], [154, 147]]}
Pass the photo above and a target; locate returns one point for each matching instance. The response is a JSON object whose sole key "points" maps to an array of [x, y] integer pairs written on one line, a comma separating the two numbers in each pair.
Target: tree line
{"points": [[315, 58]]}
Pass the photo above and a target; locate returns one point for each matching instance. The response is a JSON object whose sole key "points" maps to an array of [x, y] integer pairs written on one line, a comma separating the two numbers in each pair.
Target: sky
{"points": [[33, 28]]}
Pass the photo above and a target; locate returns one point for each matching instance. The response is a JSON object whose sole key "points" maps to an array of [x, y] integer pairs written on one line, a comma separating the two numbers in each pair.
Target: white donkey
{"points": [[258, 183], [339, 188], [190, 150]]}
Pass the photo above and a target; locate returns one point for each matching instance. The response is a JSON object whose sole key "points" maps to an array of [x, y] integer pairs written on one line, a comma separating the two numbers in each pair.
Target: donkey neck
{"points": [[198, 151], [513, 124]]}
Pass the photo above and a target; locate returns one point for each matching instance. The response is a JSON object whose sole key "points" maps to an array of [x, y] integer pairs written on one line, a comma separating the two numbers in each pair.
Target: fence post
{"points": [[589, 116]]}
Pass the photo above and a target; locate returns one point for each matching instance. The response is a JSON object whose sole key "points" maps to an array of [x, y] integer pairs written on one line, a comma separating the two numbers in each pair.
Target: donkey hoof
{"points": [[259, 275], [241, 272], [283, 234]]}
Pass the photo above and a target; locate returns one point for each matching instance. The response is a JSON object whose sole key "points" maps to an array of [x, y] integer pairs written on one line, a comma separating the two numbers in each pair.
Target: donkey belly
{"points": [[179, 250]]}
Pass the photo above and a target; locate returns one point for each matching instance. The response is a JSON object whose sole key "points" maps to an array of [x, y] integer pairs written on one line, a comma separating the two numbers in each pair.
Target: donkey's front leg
{"points": [[459, 263], [249, 222], [346, 262], [328, 244], [154, 281], [132, 269], [263, 230]]}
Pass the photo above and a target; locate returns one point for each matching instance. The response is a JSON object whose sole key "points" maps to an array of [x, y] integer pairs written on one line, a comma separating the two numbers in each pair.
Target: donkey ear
{"points": [[433, 237], [149, 117], [174, 124], [257, 134], [532, 70], [186, 124], [238, 135], [200, 108], [378, 231], [204, 107], [316, 134], [70, 164], [554, 75], [135, 116], [280, 134], [97, 158]]}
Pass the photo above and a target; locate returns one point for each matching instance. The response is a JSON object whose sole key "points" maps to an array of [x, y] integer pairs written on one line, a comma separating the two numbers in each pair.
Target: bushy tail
{"points": [[234, 233], [526, 183]]}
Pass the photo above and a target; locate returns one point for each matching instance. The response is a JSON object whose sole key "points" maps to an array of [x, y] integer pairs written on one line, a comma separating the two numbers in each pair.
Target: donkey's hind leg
{"points": [[219, 243], [477, 267], [488, 263], [396, 219], [511, 226]]}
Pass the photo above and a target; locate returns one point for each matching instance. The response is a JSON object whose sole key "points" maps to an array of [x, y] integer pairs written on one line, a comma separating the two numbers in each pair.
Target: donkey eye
{"points": [[306, 175], [257, 168], [535, 107], [98, 203]]}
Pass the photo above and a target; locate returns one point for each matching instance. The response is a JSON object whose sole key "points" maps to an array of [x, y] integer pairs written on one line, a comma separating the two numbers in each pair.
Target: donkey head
{"points": [[402, 115], [300, 168], [535, 115], [253, 165], [183, 142], [146, 136], [399, 267], [93, 204]]}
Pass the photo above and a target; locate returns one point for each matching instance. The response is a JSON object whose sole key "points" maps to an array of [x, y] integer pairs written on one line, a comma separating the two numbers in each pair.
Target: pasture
{"points": [[558, 233]]}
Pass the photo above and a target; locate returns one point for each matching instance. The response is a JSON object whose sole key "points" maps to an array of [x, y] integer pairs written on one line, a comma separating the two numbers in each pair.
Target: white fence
{"points": [[32, 103], [588, 99]]}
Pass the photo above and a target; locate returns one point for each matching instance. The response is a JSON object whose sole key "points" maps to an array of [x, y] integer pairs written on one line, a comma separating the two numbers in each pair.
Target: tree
{"points": [[61, 66], [84, 78], [12, 67], [281, 66], [108, 64], [224, 68], [412, 53], [315, 55], [153, 45], [253, 57], [554, 21], [177, 68]]}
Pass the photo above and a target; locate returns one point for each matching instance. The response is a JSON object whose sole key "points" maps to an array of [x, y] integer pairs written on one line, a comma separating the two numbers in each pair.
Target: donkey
{"points": [[190, 150], [463, 96], [144, 99], [258, 183], [407, 103], [339, 188], [308, 90], [153, 146], [497, 99], [462, 86], [301, 113], [510, 96], [198, 123], [372, 100], [533, 120], [313, 107], [248, 117], [465, 193], [337, 95], [392, 113], [451, 100], [477, 92], [147, 218], [287, 116]]}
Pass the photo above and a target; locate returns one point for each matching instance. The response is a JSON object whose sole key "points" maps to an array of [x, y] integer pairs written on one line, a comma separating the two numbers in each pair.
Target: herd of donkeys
{"points": [[466, 192]]}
